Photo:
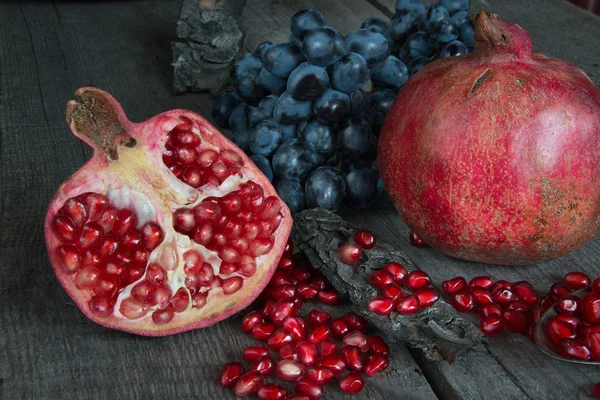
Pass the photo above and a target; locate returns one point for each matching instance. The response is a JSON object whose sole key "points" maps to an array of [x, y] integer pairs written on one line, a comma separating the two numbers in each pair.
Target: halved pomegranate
{"points": [[169, 226]]}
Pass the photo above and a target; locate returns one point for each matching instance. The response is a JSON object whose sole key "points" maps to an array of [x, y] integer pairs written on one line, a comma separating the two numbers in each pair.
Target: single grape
{"points": [[323, 46], [333, 107], [272, 83], [266, 137], [281, 59], [467, 34], [455, 5], [453, 48], [248, 87], [246, 62], [435, 14], [263, 164], [372, 46], [353, 136], [445, 31], [419, 45], [305, 21], [392, 74], [238, 123], [291, 192], [289, 111], [291, 160], [264, 46], [375, 24], [459, 17], [410, 6], [318, 137], [359, 102], [325, 188], [349, 73], [222, 106], [264, 110], [417, 64], [402, 26], [307, 82], [361, 185]]}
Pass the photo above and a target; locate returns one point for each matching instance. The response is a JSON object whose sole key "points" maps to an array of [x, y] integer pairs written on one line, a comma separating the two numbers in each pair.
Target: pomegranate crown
{"points": [[500, 39]]}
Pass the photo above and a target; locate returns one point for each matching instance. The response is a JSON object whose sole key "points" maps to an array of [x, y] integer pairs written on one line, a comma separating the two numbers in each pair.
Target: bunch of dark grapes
{"points": [[309, 112]]}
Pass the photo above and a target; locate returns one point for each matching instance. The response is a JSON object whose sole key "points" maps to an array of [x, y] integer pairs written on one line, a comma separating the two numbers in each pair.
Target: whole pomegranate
{"points": [[495, 156], [169, 226]]}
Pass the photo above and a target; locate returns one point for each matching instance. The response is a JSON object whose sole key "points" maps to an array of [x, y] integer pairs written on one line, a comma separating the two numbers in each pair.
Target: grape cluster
{"points": [[309, 112]]}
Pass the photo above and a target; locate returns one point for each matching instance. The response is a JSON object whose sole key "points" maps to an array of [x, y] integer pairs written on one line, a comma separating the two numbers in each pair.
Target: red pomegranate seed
{"points": [[548, 301], [70, 257], [427, 297], [590, 308], [574, 349], [570, 319], [339, 327], [288, 370], [481, 281], [462, 302], [263, 331], [327, 347], [492, 325], [263, 366], [282, 278], [576, 280], [248, 384], [289, 248], [333, 362], [597, 387], [454, 285], [180, 300], [252, 319], [501, 284], [331, 296], [502, 297], [559, 330], [587, 331], [380, 279], [65, 228], [308, 387], [319, 333], [592, 341], [518, 306], [278, 339], [397, 271], [381, 305], [271, 391], [306, 291], [416, 241], [280, 311], [417, 280], [516, 321], [356, 322], [364, 238], [294, 325], [595, 287], [558, 289], [316, 317], [376, 363], [524, 291], [393, 291], [286, 263], [378, 345], [481, 296], [253, 353], [87, 277], [76, 211], [306, 353], [320, 375], [288, 352], [349, 253], [351, 383], [568, 305], [352, 358], [356, 339], [100, 306], [230, 373], [143, 292], [409, 305], [488, 310], [91, 236]]}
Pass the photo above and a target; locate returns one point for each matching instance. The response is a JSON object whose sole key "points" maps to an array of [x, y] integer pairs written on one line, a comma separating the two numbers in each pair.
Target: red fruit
{"points": [[462, 302], [364, 238], [502, 297], [353, 358], [319, 333], [339, 327], [416, 240], [482, 281], [253, 353], [417, 280], [595, 288], [126, 207], [572, 320], [356, 339], [592, 341], [278, 339], [248, 384], [481, 296], [380, 279], [397, 271], [548, 301], [327, 347], [516, 321], [308, 387], [501, 284], [356, 322], [376, 363], [488, 310], [590, 308], [331, 296], [597, 390], [284, 292], [568, 305], [271, 391], [427, 297], [263, 331], [492, 325], [288, 370], [230, 373], [352, 383], [306, 291], [576, 280], [349, 253], [316, 317], [409, 305], [306, 353], [288, 352], [320, 375], [575, 349], [295, 326], [381, 305], [252, 319], [378, 345], [559, 330], [454, 285], [334, 362], [393, 291], [263, 366], [524, 291], [558, 289], [518, 306]]}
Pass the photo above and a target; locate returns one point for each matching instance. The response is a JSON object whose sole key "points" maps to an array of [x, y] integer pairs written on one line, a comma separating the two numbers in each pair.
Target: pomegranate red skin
{"points": [[95, 175], [494, 156]]}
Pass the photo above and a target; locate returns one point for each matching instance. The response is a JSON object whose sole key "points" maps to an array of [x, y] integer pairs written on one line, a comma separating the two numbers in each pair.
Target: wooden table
{"points": [[48, 349]]}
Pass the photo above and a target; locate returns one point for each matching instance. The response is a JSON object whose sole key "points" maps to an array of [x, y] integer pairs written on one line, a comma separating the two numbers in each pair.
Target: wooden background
{"points": [[49, 350]]}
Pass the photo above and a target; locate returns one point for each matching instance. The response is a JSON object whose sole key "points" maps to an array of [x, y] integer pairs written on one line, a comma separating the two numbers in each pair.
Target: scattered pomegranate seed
{"points": [[576, 280], [230, 373], [575, 349], [306, 353], [294, 325], [597, 390], [288, 352], [356, 322], [416, 241], [427, 297], [316, 317], [278, 339], [351, 383], [487, 310], [339, 327], [263, 331], [502, 297], [364, 238], [334, 362], [248, 384], [481, 281], [417, 280], [592, 341], [377, 345], [320, 375], [567, 305], [397, 271], [381, 305], [481, 296], [501, 284], [595, 288], [409, 305], [271, 391], [376, 363], [524, 291], [380, 279], [352, 358], [307, 386], [327, 347], [356, 339], [558, 289], [319, 333], [590, 308], [492, 325], [253, 353], [454, 285], [263, 366], [462, 302], [329, 296], [349, 253], [393, 291], [289, 370]]}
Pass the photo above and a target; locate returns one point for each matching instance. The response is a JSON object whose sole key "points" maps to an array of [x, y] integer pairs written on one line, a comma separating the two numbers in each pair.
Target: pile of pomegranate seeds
{"points": [[349, 253], [310, 352], [393, 280]]}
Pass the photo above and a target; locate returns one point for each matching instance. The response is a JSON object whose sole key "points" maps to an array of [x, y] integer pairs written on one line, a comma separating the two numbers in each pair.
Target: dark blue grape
{"points": [[435, 14], [419, 45], [371, 154], [264, 165], [392, 74], [238, 123], [417, 64], [263, 111], [353, 136], [359, 102], [294, 40], [459, 17], [248, 87], [264, 46], [394, 46], [372, 46], [291, 192], [380, 104], [266, 137], [402, 26], [318, 137], [454, 48], [305, 21], [246, 62], [361, 185], [316, 159], [404, 55], [467, 35], [375, 24], [222, 106], [307, 82], [289, 131], [292, 161], [281, 59], [289, 111], [323, 46], [410, 6], [349, 73], [455, 5], [272, 83], [333, 107], [325, 188], [445, 31]]}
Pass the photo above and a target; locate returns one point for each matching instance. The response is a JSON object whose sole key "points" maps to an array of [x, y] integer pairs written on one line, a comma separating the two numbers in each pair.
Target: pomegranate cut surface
{"points": [[169, 226]]}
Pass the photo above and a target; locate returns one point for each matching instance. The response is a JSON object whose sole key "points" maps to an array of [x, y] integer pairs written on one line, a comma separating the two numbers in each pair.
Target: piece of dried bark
{"points": [[439, 331]]}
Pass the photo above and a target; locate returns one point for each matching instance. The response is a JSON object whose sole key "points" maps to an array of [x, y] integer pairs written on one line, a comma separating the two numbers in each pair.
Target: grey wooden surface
{"points": [[49, 350]]}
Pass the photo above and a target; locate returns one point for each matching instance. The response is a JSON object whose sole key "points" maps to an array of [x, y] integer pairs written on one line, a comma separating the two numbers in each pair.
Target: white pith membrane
{"points": [[171, 252]]}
